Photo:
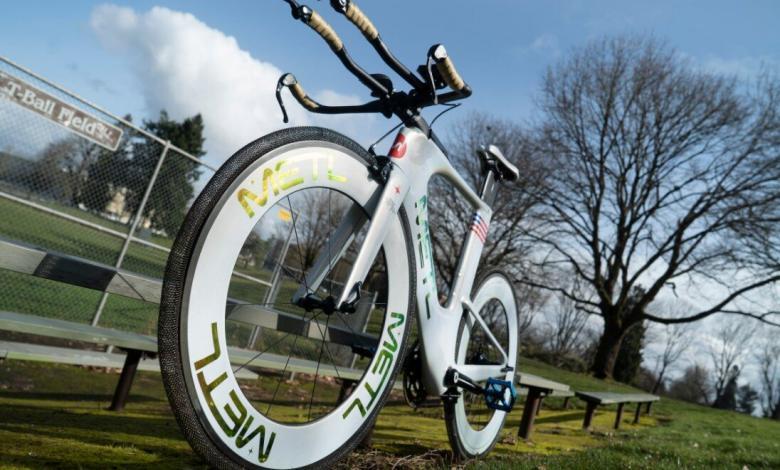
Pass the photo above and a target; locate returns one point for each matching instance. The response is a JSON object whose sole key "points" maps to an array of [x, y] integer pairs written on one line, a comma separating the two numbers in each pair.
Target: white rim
{"points": [[476, 442], [276, 445]]}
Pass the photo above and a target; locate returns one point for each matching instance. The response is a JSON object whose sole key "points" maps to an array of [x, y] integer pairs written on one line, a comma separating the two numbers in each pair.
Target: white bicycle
{"points": [[340, 234]]}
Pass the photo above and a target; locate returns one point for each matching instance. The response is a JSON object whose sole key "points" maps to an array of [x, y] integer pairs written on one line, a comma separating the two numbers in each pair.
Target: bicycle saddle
{"points": [[493, 159]]}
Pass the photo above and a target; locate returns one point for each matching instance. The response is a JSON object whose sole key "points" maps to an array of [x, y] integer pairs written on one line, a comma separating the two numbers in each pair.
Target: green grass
{"points": [[29, 225], [26, 294], [55, 416]]}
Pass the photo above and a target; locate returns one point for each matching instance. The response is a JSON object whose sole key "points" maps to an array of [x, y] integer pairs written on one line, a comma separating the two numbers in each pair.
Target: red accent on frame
{"points": [[398, 150]]}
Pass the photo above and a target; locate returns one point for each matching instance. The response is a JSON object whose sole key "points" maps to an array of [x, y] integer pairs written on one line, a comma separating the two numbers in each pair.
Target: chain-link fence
{"points": [[65, 192], [117, 202]]}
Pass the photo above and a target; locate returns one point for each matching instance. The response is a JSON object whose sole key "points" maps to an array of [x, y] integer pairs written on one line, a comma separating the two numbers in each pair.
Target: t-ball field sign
{"points": [[64, 114]]}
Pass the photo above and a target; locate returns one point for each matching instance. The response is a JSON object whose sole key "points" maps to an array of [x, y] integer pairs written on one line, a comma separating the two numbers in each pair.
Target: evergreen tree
{"points": [[728, 398], [107, 174], [629, 358], [693, 386], [173, 188], [746, 399]]}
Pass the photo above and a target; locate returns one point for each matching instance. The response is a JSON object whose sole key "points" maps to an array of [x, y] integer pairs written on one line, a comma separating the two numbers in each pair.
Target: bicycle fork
{"points": [[384, 212]]}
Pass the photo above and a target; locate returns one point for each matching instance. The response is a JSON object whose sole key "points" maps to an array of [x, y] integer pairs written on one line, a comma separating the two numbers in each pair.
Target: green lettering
{"points": [[242, 439], [269, 180], [355, 403], [213, 356], [207, 388], [285, 178], [333, 176], [237, 420]]}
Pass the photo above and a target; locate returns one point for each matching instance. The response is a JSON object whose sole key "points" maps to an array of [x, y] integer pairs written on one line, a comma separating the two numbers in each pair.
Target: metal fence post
{"points": [[136, 220]]}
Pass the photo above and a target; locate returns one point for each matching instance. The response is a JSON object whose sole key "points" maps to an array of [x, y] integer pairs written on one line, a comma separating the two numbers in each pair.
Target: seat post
{"points": [[489, 187]]}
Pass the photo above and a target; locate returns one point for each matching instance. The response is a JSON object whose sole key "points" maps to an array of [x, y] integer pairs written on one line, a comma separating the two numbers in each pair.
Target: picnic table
{"points": [[537, 389], [596, 399], [79, 272]]}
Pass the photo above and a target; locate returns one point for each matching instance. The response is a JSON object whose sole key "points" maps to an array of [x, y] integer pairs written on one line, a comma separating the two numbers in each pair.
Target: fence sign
{"points": [[64, 114]]}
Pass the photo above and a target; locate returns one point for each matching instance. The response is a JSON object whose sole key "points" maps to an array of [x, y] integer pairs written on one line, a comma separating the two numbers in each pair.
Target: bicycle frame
{"points": [[416, 159]]}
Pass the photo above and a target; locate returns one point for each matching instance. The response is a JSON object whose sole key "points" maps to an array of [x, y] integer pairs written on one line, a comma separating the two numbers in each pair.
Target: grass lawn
{"points": [[55, 416]]}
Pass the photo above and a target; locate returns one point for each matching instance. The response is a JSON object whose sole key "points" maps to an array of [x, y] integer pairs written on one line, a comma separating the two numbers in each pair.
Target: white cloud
{"points": [[742, 67], [544, 44], [187, 67]]}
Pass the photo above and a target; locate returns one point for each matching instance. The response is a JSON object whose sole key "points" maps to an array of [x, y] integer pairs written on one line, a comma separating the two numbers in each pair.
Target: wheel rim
{"points": [[299, 431], [477, 426]]}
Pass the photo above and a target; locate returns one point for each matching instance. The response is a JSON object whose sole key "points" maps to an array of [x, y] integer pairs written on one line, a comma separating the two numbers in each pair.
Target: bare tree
{"points": [[567, 323], [677, 340], [529, 302], [730, 347], [664, 175], [316, 214], [450, 217], [769, 366]]}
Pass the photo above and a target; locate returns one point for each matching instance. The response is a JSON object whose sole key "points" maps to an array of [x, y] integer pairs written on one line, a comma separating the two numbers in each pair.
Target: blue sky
{"points": [[502, 47]]}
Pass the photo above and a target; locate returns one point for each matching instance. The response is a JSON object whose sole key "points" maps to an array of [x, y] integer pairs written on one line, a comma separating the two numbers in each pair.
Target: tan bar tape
{"points": [[300, 95], [359, 19], [318, 24], [450, 75]]}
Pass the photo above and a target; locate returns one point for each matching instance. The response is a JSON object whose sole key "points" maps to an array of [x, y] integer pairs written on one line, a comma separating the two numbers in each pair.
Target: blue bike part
{"points": [[495, 394]]}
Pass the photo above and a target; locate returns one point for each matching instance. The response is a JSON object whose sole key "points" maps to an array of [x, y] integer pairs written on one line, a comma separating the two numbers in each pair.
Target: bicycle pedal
{"points": [[500, 395]]}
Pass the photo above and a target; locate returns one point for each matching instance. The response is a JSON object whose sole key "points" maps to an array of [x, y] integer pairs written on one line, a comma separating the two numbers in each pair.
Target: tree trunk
{"points": [[609, 346], [659, 380]]}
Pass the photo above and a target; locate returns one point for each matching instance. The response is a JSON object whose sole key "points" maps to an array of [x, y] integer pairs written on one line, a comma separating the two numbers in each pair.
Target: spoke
{"points": [[261, 353], [327, 349], [339, 315], [330, 259], [269, 347], [284, 371], [317, 372], [291, 274], [298, 245]]}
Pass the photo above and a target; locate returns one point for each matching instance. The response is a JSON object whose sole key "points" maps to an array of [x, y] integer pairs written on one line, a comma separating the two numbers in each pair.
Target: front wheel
{"points": [[472, 427], [285, 215]]}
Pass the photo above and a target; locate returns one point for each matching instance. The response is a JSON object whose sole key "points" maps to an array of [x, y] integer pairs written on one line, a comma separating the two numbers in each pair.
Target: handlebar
{"points": [[389, 102], [288, 80], [318, 24], [447, 69], [357, 17]]}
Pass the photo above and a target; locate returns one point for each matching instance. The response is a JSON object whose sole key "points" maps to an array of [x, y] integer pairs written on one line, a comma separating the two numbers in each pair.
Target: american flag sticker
{"points": [[479, 227]]}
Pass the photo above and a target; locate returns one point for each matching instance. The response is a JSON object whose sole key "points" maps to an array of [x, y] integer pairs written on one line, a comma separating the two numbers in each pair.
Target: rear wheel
{"points": [[230, 333], [472, 427]]}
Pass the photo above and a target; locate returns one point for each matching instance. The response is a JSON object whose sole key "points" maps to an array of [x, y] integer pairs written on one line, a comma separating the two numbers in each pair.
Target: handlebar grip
{"points": [[447, 69], [318, 24], [359, 19], [300, 94]]}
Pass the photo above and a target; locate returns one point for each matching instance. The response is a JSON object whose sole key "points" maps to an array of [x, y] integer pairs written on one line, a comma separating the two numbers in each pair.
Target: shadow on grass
{"points": [[562, 418], [75, 397], [95, 422]]}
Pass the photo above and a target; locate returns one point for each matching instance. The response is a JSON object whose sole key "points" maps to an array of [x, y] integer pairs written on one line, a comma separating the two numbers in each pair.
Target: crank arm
{"points": [[453, 378], [389, 204]]}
